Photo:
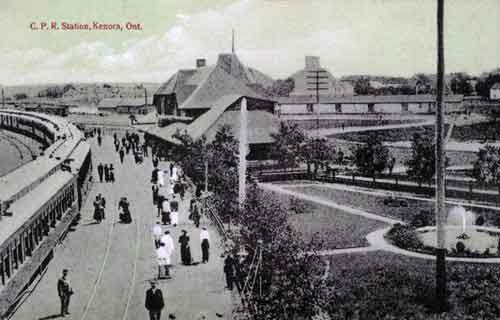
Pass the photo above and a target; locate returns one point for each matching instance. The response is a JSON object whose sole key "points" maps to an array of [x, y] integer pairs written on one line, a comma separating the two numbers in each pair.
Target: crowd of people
{"points": [[169, 188], [169, 191]]}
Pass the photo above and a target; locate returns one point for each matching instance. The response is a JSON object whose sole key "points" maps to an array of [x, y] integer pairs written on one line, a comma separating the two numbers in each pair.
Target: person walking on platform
{"points": [[174, 212], [159, 205], [155, 160], [99, 140], [157, 233], [168, 241], [165, 211], [205, 244], [185, 249], [111, 173], [117, 145], [195, 213], [154, 302], [122, 154], [155, 189], [162, 258], [65, 291], [106, 173], [123, 206], [102, 200], [100, 171], [97, 209], [229, 271], [145, 149]]}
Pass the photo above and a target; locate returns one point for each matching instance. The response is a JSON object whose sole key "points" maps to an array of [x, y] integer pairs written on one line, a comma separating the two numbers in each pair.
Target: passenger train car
{"points": [[40, 200]]}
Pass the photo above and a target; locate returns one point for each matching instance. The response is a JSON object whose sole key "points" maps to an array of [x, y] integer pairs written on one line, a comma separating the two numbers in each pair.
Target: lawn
{"points": [[374, 203], [336, 228], [381, 285]]}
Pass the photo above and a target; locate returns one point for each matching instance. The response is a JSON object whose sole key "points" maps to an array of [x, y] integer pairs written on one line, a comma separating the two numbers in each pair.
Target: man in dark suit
{"points": [[100, 171], [65, 291], [154, 302]]}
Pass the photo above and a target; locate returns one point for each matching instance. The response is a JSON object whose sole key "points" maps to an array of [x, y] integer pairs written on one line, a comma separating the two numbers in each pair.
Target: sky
{"points": [[378, 37]]}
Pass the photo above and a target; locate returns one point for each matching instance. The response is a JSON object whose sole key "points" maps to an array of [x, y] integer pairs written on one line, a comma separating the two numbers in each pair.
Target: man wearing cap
{"points": [[205, 244], [65, 291], [154, 302]]}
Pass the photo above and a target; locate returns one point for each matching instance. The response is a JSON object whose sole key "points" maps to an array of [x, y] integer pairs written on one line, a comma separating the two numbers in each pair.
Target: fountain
{"points": [[460, 228], [458, 216]]}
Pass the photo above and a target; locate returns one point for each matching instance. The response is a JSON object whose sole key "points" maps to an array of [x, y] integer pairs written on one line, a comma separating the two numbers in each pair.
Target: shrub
{"points": [[404, 236], [480, 221], [460, 247], [424, 218]]}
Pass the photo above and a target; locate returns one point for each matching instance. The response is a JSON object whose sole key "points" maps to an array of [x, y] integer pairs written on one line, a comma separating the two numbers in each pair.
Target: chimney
{"points": [[312, 63], [201, 63]]}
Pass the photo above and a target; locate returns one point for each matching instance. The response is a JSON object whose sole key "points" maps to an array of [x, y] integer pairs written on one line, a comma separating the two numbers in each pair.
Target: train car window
{"points": [[20, 251], [2, 273], [6, 262], [15, 261]]}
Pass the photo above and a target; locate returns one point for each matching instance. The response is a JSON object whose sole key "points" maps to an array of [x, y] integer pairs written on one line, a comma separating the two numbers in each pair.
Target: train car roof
{"points": [[28, 205]]}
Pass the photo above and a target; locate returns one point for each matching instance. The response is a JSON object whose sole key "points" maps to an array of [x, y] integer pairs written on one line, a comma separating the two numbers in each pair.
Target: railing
{"points": [[209, 210]]}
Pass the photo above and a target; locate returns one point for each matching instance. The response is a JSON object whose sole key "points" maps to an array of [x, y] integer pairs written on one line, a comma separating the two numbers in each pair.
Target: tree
{"points": [[421, 165], [371, 157], [362, 86], [317, 151], [287, 145], [486, 169], [460, 84], [289, 284], [222, 159], [282, 88]]}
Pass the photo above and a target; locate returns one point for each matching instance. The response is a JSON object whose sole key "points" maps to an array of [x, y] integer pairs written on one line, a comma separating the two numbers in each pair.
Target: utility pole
{"points": [[441, 298], [318, 84]]}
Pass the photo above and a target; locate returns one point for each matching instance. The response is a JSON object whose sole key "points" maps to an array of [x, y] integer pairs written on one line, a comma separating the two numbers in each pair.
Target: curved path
{"points": [[375, 239], [111, 263]]}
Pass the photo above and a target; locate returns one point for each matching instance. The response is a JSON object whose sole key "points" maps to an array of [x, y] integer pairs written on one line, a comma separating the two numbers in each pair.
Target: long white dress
{"points": [[161, 180], [168, 246], [162, 256], [174, 217]]}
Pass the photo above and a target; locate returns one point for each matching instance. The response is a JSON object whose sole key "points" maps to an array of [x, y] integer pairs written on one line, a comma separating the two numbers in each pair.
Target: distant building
{"points": [[304, 86], [126, 105], [495, 91], [422, 103]]}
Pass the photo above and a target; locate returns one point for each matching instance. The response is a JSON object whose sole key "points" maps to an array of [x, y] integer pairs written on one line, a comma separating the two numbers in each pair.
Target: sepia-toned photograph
{"points": [[250, 160]]}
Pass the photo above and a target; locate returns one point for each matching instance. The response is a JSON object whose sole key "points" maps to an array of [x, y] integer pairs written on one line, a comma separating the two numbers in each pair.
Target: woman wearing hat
{"points": [[185, 249]]}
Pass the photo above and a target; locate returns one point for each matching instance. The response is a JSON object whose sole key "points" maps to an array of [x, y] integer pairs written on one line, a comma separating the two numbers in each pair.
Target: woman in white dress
{"points": [[161, 180]]}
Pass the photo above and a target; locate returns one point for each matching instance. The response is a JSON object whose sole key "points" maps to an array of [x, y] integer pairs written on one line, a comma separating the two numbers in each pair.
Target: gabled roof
{"points": [[216, 85], [201, 87], [260, 123], [496, 86]]}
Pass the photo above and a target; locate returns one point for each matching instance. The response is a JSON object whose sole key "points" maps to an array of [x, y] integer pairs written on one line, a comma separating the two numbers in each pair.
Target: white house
{"points": [[495, 91]]}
